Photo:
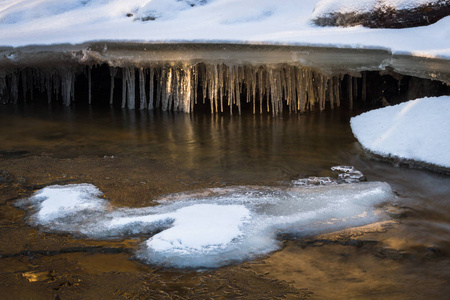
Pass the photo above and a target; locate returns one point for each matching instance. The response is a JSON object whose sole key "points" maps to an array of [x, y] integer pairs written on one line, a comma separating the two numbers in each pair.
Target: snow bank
{"points": [[26, 22], [416, 130], [212, 227]]}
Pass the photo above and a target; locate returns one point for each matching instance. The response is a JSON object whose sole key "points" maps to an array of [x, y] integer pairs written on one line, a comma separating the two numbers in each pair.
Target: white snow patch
{"points": [[415, 130], [27, 22], [212, 227], [59, 201]]}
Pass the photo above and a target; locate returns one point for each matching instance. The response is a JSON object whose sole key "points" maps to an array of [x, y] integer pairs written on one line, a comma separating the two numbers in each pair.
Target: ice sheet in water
{"points": [[211, 227]]}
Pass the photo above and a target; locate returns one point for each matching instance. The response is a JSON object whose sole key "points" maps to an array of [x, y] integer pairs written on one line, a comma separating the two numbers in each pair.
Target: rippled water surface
{"points": [[136, 156]]}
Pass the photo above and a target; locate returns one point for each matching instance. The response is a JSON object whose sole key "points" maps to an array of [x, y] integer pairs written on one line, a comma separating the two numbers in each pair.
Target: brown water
{"points": [[135, 156]]}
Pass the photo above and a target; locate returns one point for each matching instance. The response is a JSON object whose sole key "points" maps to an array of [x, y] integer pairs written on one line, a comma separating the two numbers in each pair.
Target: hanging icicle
{"points": [[179, 87]]}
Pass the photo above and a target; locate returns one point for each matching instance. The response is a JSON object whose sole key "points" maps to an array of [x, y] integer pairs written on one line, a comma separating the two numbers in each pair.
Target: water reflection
{"points": [[234, 150]]}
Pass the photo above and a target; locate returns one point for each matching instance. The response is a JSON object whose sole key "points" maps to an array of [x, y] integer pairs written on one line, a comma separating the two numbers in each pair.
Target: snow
{"points": [[76, 198], [44, 22], [415, 130], [211, 227]]}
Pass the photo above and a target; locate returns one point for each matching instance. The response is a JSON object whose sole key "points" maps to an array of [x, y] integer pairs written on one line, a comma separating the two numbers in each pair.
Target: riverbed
{"points": [[133, 157]]}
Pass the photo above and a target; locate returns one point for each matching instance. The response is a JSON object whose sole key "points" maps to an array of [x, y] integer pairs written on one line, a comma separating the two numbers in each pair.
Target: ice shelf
{"points": [[175, 77]]}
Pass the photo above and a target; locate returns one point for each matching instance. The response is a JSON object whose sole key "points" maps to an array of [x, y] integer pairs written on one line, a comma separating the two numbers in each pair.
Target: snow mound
{"points": [[211, 227], [415, 130]]}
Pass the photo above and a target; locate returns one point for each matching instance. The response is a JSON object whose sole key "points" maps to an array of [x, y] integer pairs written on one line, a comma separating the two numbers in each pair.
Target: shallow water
{"points": [[136, 156]]}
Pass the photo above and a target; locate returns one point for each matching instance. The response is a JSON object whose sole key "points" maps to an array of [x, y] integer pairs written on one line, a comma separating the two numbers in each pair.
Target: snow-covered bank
{"points": [[214, 227], [417, 130], [28, 22]]}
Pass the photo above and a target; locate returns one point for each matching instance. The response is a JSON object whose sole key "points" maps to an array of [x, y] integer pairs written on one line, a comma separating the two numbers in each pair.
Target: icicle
{"points": [[221, 82], [124, 87], [143, 97], [66, 86], [238, 90], [193, 88], [24, 84], [112, 73], [31, 83], [166, 87], [288, 88], [14, 88], [159, 87], [187, 92], [350, 91], [151, 89], [268, 91], [322, 91], [272, 90], [364, 88], [355, 88], [261, 88], [331, 92], [231, 78], [293, 86], [196, 83], [337, 91], [131, 88], [89, 84], [216, 88], [48, 84], [3, 89], [209, 87], [253, 75]]}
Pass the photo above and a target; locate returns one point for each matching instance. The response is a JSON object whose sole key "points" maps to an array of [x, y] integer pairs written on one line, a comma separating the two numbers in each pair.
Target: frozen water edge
{"points": [[212, 227], [329, 59]]}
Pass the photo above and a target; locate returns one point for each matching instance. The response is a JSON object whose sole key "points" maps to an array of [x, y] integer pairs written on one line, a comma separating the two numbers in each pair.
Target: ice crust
{"points": [[415, 130], [211, 227]]}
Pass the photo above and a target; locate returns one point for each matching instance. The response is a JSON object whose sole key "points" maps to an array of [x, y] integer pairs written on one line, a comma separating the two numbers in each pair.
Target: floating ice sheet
{"points": [[211, 227]]}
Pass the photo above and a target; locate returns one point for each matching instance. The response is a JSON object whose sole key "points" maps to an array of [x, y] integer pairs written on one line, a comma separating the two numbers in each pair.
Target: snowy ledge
{"points": [[329, 60], [414, 132]]}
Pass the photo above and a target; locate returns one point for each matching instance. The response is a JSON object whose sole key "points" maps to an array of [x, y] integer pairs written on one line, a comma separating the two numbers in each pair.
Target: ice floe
{"points": [[211, 227]]}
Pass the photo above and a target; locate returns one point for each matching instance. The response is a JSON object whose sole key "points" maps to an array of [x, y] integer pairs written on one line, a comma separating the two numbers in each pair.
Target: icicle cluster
{"points": [[180, 87], [59, 84]]}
